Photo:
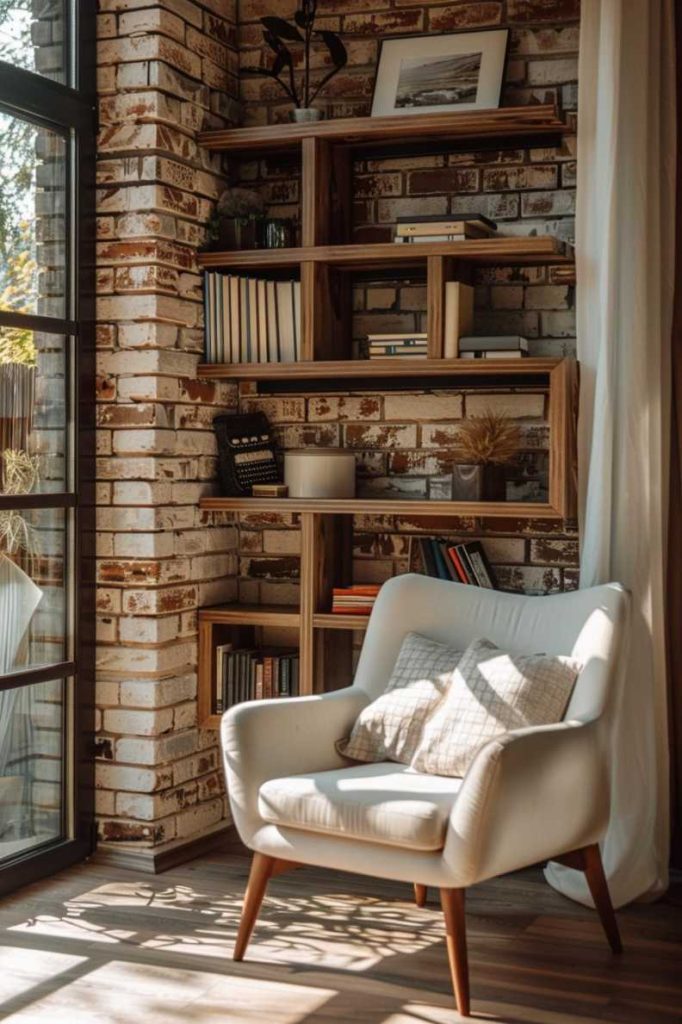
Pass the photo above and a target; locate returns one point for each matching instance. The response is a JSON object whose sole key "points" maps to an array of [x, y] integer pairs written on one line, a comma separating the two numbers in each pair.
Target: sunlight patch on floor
{"points": [[20, 971], [120, 991]]}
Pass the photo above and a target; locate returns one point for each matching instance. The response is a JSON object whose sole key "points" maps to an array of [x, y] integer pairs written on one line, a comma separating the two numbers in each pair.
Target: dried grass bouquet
{"points": [[489, 439]]}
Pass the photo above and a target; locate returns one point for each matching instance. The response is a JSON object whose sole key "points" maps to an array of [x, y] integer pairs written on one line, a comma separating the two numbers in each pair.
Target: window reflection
{"points": [[32, 601], [32, 221], [32, 36], [31, 742], [32, 412]]}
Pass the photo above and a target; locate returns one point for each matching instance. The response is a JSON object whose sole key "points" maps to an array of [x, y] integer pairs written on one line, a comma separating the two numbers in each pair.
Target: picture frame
{"points": [[432, 74]]}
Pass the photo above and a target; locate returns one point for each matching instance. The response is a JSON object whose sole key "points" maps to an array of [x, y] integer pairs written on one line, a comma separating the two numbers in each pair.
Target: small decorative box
{"points": [[269, 490]]}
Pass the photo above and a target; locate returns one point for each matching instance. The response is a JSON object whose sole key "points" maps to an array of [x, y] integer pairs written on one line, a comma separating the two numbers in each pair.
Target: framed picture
{"points": [[437, 73]]}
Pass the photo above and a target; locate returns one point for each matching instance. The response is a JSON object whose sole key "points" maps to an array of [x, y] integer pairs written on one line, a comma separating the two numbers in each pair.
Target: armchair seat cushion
{"points": [[380, 803]]}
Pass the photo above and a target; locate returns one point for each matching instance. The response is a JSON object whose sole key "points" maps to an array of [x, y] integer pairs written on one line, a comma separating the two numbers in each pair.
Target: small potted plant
{"points": [[287, 39], [236, 221], [486, 445]]}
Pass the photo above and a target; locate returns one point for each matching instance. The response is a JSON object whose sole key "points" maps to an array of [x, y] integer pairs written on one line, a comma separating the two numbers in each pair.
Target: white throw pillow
{"points": [[492, 692], [389, 729]]}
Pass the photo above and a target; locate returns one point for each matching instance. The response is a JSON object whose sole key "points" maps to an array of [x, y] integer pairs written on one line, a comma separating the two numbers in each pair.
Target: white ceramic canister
{"points": [[320, 473]]}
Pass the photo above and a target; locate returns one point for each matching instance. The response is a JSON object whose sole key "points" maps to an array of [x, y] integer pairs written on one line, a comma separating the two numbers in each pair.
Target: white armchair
{"points": [[530, 795]]}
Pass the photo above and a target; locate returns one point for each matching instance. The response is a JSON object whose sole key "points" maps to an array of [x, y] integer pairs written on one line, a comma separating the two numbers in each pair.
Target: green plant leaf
{"points": [[337, 51], [282, 29]]}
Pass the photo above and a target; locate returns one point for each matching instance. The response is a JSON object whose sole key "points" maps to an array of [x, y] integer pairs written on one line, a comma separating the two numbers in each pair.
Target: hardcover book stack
{"points": [[250, 320], [463, 563], [249, 674], [506, 346], [407, 346], [355, 600], [440, 228]]}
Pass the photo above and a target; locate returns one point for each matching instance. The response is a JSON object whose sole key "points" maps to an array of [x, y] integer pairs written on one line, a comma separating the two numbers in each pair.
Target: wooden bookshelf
{"points": [[354, 623], [406, 130], [514, 250], [384, 507], [371, 369], [325, 264]]}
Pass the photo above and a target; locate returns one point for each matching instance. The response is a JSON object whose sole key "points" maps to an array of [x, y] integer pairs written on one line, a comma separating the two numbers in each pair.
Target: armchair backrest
{"points": [[588, 624]]}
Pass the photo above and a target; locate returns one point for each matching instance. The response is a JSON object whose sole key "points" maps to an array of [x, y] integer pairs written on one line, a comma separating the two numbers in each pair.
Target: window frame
{"points": [[71, 110]]}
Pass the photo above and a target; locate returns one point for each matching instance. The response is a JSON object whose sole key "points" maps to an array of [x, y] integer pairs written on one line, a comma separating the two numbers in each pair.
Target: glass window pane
{"points": [[31, 766], [32, 36], [32, 218], [32, 588], [32, 412]]}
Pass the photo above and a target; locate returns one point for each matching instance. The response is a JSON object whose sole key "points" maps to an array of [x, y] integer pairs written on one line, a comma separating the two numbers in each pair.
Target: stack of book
{"points": [[249, 320], [355, 600], [505, 346], [440, 228], [463, 563], [407, 346], [248, 674]]}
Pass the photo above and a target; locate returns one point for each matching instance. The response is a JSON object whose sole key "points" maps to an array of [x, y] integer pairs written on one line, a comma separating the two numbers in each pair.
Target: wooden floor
{"points": [[96, 944]]}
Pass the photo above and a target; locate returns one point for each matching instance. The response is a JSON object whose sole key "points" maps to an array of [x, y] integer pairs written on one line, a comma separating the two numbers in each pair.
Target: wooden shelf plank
{"points": [[375, 132], [251, 615], [355, 623], [382, 506], [531, 249], [371, 368]]}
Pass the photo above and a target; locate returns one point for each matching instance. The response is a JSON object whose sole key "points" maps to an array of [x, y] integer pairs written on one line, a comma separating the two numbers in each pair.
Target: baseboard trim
{"points": [[154, 860]]}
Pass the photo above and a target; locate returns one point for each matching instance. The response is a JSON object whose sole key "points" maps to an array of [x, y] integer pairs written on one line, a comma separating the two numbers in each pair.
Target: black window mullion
{"points": [[36, 322], [40, 674]]}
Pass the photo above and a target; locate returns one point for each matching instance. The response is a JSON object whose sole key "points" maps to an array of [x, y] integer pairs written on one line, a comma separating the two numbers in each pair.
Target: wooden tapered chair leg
{"points": [[452, 902], [419, 894], [262, 868], [596, 880]]}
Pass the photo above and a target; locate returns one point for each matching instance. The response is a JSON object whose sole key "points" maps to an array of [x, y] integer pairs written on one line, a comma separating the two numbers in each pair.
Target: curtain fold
{"points": [[625, 272], [674, 636]]}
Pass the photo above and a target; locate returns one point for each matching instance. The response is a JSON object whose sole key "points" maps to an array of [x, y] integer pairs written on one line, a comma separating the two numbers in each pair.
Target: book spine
{"points": [[456, 561], [466, 565], [267, 676], [428, 557]]}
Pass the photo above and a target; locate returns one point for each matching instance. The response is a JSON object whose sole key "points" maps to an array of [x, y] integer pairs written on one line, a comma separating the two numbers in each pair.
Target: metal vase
{"points": [[303, 114], [478, 482]]}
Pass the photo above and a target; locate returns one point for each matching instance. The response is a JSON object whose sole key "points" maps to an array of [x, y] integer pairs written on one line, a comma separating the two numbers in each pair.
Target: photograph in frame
{"points": [[431, 74]]}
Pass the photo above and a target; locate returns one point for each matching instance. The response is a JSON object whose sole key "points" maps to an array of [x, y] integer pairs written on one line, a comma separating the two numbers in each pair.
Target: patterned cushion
{"points": [[389, 728], [492, 692]]}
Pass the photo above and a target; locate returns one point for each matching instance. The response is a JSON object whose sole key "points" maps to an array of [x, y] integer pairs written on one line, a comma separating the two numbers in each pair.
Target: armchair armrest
{"points": [[529, 795], [266, 739]]}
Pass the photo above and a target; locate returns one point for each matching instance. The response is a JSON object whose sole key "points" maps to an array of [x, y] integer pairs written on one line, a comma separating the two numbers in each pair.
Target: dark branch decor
{"points": [[285, 38]]}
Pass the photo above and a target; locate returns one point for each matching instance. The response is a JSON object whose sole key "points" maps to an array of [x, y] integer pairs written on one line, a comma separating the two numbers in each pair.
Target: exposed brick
{"points": [[423, 407]]}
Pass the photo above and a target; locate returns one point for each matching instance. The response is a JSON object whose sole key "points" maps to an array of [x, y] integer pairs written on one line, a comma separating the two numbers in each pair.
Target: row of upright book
{"points": [[251, 320], [252, 674], [464, 563]]}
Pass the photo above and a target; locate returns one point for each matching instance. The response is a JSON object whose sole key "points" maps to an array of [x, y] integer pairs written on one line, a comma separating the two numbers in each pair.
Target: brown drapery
{"points": [[674, 582]]}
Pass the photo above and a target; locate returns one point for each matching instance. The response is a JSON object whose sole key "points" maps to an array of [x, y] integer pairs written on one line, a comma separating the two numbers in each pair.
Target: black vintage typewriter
{"points": [[246, 453]]}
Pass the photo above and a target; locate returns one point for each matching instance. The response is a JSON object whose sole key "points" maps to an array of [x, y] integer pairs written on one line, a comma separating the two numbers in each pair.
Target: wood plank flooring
{"points": [[98, 945]]}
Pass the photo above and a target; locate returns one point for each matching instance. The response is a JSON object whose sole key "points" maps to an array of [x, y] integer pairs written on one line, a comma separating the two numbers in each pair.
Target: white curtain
{"points": [[625, 273]]}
